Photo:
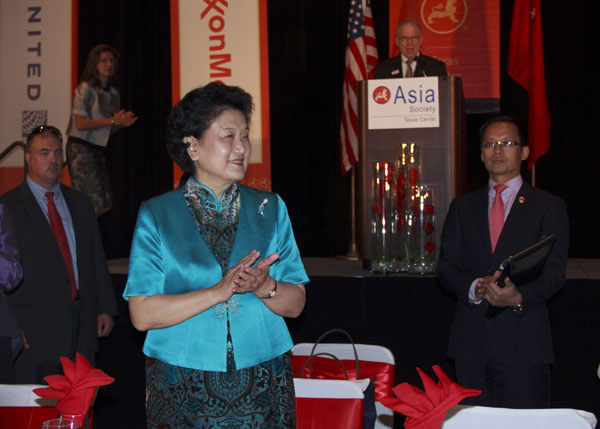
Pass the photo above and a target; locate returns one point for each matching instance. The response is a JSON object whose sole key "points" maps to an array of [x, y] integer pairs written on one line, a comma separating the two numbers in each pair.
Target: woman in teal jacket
{"points": [[214, 268]]}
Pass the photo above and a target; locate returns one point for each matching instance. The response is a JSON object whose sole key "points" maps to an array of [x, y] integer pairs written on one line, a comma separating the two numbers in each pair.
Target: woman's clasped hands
{"points": [[124, 118], [243, 277]]}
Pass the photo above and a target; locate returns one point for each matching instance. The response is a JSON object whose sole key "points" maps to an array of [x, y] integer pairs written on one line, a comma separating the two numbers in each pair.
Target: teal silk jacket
{"points": [[169, 256]]}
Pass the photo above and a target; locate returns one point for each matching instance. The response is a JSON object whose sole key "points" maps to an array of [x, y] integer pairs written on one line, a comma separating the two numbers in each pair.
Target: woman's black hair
{"points": [[196, 111]]}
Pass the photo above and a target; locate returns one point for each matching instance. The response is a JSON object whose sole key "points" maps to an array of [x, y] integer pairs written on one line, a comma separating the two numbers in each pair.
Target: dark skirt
{"points": [[258, 397], [87, 167]]}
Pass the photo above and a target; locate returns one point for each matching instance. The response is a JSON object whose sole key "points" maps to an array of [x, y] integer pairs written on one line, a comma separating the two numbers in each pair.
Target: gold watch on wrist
{"points": [[271, 292]]}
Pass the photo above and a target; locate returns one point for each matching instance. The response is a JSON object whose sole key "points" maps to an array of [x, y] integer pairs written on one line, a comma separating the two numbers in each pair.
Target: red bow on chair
{"points": [[76, 389], [427, 409]]}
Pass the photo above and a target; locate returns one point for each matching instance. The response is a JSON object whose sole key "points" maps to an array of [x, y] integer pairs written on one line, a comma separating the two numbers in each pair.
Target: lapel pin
{"points": [[521, 200]]}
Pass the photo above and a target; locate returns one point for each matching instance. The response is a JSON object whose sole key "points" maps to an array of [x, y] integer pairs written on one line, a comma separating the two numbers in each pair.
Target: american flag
{"points": [[361, 58]]}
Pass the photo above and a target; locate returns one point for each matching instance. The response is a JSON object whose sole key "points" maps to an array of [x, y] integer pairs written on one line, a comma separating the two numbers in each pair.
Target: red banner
{"points": [[466, 36], [227, 42]]}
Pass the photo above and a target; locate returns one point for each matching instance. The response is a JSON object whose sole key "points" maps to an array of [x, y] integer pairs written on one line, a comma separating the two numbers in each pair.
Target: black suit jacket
{"points": [[40, 302], [426, 66], [466, 255]]}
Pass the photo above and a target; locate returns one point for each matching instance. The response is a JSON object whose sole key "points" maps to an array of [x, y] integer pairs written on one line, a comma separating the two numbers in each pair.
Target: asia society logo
{"points": [[443, 16], [381, 95]]}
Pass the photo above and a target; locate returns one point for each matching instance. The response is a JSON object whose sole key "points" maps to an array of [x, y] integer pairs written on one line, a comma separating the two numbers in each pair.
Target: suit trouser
{"points": [[7, 369], [508, 386], [34, 373]]}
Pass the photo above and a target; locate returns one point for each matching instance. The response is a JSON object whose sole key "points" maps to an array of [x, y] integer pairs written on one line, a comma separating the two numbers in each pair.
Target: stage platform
{"points": [[322, 267]]}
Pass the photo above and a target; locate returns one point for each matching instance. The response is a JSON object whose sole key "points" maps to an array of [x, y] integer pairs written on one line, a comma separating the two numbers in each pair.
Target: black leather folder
{"points": [[523, 267]]}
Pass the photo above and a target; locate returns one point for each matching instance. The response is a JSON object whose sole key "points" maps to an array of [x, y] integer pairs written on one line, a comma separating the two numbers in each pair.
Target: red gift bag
{"points": [[26, 417], [21, 408], [352, 362], [358, 360], [329, 404]]}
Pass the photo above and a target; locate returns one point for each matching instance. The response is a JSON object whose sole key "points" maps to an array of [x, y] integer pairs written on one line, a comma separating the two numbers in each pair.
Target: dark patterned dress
{"points": [[261, 396], [86, 148]]}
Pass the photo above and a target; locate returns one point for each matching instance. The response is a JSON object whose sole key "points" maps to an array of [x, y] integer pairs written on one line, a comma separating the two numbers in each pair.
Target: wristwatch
{"points": [[271, 293]]}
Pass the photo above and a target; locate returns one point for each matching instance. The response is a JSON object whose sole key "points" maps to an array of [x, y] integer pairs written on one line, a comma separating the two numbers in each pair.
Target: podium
{"points": [[443, 154]]}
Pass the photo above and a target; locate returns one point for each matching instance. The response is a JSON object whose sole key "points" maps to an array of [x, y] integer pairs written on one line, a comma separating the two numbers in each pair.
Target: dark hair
{"points": [[42, 130], [90, 72], [196, 111], [409, 21], [503, 118]]}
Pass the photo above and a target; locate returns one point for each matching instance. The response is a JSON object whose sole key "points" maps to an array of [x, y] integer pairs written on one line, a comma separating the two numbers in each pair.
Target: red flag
{"points": [[361, 58], [526, 67]]}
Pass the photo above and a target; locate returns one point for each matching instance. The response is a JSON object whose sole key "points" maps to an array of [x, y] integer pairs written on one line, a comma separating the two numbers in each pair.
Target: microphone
{"points": [[421, 64]]}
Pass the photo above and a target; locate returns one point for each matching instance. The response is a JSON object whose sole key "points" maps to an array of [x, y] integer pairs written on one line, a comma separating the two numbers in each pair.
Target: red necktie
{"points": [[496, 218], [61, 238]]}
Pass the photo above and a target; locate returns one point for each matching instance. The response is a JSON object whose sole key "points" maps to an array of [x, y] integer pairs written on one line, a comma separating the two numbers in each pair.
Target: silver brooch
{"points": [[232, 306], [261, 207]]}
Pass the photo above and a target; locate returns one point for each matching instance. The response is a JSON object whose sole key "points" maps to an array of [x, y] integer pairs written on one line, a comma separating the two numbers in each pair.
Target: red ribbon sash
{"points": [[326, 368]]}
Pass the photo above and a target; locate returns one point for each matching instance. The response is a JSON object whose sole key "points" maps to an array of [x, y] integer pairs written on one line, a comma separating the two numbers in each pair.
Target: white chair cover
{"points": [[467, 417], [368, 352]]}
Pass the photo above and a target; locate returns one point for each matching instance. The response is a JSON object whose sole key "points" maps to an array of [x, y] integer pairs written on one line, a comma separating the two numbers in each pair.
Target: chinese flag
{"points": [[526, 67]]}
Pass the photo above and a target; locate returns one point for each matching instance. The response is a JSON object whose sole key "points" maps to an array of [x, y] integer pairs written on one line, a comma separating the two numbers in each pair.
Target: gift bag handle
{"points": [[347, 335], [309, 361]]}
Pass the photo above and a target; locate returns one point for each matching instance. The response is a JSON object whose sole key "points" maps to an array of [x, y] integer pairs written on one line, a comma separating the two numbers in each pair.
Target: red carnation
{"points": [[428, 227], [429, 246]]}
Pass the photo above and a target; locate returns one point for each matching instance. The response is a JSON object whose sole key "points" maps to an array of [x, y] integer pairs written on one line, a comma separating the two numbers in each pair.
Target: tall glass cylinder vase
{"points": [[384, 233], [421, 230], [408, 179]]}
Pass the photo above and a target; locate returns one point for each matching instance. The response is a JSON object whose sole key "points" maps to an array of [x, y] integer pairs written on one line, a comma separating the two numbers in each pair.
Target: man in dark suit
{"points": [[508, 356], [410, 62], [65, 300]]}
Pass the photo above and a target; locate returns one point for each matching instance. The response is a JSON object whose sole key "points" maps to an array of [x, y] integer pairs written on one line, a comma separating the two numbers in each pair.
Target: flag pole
{"points": [[361, 59]]}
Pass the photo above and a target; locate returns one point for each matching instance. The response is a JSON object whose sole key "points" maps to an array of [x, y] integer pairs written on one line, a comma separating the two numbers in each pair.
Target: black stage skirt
{"points": [[258, 397]]}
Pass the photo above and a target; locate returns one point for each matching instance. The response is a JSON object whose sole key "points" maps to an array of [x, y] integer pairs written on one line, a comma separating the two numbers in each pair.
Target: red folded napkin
{"points": [[427, 410], [76, 389]]}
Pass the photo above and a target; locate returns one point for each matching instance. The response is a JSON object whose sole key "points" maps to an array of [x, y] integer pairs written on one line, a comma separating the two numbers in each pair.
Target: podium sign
{"points": [[443, 145], [403, 103]]}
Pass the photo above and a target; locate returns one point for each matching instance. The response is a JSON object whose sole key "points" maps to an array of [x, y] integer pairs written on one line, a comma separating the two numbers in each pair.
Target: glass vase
{"points": [[408, 178], [384, 233], [420, 226], [81, 419]]}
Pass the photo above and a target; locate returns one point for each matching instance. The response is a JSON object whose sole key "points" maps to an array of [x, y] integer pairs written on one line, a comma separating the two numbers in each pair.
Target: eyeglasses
{"points": [[492, 145], [45, 129], [406, 39]]}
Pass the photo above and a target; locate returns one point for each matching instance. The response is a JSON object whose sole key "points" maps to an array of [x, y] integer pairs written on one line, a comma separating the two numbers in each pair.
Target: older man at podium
{"points": [[410, 62]]}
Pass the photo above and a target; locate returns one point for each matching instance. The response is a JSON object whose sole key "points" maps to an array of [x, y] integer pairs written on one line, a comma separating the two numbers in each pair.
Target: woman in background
{"points": [[95, 116], [214, 268]]}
